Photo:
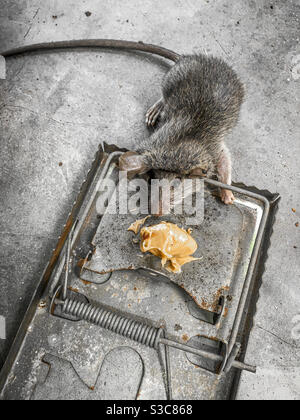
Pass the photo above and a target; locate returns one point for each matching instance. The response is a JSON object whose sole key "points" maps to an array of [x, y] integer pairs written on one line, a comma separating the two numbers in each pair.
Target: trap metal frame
{"points": [[93, 314], [64, 305]]}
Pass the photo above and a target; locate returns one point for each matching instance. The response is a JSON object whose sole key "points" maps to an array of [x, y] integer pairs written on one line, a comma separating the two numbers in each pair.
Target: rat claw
{"points": [[153, 114], [148, 118], [227, 196]]}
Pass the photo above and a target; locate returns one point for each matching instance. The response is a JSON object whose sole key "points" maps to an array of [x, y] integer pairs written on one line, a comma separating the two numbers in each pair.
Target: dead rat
{"points": [[200, 104], [201, 100]]}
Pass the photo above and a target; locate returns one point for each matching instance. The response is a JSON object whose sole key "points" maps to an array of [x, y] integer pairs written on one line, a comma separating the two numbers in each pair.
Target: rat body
{"points": [[201, 100], [200, 104]]}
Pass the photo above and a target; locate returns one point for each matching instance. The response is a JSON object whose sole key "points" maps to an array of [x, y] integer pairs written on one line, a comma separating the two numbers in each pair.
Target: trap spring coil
{"points": [[135, 330]]}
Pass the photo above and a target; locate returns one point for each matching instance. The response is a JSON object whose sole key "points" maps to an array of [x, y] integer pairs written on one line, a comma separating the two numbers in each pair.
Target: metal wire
{"points": [[67, 259]]}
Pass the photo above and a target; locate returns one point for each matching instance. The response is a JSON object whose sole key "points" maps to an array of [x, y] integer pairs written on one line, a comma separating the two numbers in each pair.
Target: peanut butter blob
{"points": [[170, 243], [135, 226]]}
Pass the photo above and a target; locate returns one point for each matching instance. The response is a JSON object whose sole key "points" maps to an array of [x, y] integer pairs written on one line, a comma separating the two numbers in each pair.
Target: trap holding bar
{"points": [[137, 331]]}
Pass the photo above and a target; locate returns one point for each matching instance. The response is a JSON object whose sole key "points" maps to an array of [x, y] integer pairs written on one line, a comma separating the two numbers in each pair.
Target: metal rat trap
{"points": [[109, 323]]}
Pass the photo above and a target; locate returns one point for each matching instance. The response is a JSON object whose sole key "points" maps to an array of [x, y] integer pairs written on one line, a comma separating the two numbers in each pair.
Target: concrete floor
{"points": [[57, 108]]}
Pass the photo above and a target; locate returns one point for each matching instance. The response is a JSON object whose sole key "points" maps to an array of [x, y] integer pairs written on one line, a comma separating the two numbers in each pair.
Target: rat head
{"points": [[185, 166], [189, 160]]}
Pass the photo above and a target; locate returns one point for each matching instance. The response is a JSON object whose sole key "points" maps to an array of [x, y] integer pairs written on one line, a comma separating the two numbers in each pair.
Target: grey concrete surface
{"points": [[56, 108]]}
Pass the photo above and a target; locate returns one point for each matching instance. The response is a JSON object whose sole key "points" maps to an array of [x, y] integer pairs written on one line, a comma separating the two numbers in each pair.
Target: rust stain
{"points": [[58, 248], [42, 304], [209, 337], [81, 262], [185, 337], [213, 338], [85, 282], [217, 296], [204, 304], [73, 289]]}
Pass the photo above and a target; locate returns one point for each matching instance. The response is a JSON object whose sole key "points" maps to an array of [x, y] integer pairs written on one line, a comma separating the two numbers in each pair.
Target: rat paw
{"points": [[227, 197], [153, 114]]}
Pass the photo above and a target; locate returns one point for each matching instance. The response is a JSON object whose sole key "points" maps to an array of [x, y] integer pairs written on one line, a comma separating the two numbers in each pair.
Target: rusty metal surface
{"points": [[219, 238], [76, 353], [55, 353]]}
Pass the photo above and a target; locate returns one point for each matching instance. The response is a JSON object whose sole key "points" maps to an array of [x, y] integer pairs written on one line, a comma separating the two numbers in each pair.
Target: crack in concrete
{"points": [[29, 29], [27, 32], [278, 338], [222, 48], [47, 116], [37, 11]]}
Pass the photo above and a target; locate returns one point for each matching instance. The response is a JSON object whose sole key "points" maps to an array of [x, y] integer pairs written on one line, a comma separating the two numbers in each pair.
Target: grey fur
{"points": [[202, 97]]}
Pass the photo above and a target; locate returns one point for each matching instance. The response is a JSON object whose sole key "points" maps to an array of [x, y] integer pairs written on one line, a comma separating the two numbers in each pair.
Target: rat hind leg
{"points": [[224, 175], [154, 112]]}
